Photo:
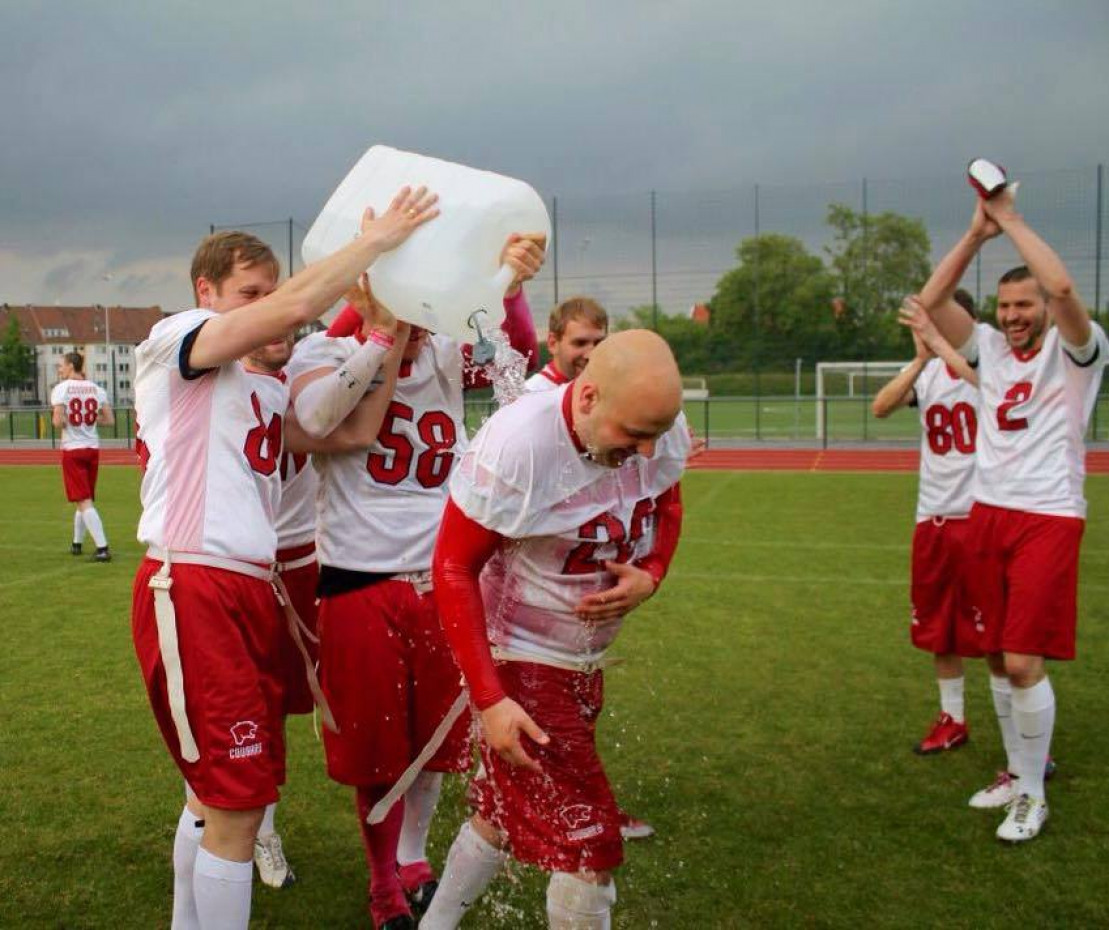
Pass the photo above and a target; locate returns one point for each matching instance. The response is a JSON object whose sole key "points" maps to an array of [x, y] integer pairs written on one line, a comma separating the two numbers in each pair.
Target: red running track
{"points": [[1097, 460]]}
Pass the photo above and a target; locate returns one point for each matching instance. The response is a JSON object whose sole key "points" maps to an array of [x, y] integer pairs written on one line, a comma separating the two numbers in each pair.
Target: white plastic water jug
{"points": [[449, 269]]}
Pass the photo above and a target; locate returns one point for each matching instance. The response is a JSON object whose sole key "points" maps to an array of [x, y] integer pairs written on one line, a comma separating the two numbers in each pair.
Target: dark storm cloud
{"points": [[130, 127]]}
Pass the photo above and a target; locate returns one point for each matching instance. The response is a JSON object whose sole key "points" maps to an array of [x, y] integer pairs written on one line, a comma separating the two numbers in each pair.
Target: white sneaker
{"points": [[1026, 818], [1001, 793], [273, 869]]}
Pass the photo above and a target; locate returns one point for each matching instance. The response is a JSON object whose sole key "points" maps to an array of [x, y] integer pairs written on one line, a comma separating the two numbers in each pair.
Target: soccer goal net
{"points": [[849, 379]]}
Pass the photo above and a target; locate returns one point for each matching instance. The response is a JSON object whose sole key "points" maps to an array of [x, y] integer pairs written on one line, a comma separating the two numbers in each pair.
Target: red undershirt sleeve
{"points": [[668, 527], [347, 323], [462, 549]]}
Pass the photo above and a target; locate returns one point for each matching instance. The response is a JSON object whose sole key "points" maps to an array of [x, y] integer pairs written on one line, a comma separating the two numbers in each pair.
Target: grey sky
{"points": [[129, 127]]}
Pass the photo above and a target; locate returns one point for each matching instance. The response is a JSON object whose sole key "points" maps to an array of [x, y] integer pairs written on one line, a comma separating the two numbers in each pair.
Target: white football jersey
{"points": [[296, 520], [82, 401], [949, 428], [564, 516], [546, 379], [379, 509], [1032, 423], [211, 446]]}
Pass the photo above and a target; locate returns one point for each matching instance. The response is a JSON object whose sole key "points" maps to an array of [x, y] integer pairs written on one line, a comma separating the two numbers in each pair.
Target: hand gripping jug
{"points": [[446, 277]]}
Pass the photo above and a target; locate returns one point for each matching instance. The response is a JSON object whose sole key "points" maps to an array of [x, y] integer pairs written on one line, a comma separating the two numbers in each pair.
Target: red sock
{"points": [[380, 841]]}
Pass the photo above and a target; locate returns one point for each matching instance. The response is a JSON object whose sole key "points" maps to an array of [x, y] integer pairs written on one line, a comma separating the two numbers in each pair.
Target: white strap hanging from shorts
{"points": [[298, 630], [166, 617], [381, 809]]}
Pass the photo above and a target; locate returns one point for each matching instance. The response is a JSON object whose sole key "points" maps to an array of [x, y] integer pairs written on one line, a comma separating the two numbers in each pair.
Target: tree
{"points": [[877, 260], [777, 305], [16, 359]]}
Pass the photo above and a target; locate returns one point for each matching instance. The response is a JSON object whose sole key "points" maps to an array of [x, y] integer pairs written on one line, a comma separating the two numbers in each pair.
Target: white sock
{"points": [[951, 698], [222, 892], [185, 844], [471, 865], [92, 521], [267, 826], [573, 904], [1002, 693], [419, 808], [1034, 716], [78, 528]]}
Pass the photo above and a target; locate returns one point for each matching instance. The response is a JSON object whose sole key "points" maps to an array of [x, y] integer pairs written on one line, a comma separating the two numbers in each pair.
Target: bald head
{"points": [[637, 363], [629, 394]]}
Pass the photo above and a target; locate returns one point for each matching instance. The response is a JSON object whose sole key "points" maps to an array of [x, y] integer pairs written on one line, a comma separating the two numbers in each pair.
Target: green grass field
{"points": [[763, 723]]}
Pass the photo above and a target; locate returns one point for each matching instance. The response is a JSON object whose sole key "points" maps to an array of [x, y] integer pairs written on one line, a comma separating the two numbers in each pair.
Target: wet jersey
{"points": [[525, 477], [1034, 410], [212, 443], [379, 509], [82, 401], [949, 425]]}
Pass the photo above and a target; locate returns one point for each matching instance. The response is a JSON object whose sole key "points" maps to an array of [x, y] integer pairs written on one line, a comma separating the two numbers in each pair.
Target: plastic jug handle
{"points": [[504, 278]]}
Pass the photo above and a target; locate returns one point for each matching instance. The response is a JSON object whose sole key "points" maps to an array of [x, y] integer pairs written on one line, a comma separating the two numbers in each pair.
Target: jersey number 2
{"points": [[1017, 394]]}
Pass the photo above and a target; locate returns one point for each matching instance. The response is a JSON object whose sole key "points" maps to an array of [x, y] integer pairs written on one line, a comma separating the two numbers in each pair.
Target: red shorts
{"points": [[1025, 580], [944, 618], [227, 630], [79, 468], [389, 678], [301, 585], [564, 819]]}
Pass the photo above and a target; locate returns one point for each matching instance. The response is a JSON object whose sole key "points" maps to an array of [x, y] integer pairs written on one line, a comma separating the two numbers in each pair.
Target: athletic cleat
{"points": [[419, 899], [74, 548], [419, 884], [273, 868], [631, 828], [400, 922], [945, 734], [1001, 793], [1050, 769], [103, 554], [1026, 818]]}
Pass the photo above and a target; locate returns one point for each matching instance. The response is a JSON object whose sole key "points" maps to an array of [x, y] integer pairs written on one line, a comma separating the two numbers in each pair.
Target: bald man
{"points": [[569, 501]]}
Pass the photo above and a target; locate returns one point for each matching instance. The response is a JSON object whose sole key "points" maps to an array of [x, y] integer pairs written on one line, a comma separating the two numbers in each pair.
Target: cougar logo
{"points": [[576, 816], [244, 730]]}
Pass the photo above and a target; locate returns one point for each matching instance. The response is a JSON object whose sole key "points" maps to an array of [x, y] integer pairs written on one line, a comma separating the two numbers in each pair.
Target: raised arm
{"points": [[324, 397], [461, 550], [898, 392], [524, 252], [360, 427], [951, 320], [307, 295], [1047, 268], [913, 315]]}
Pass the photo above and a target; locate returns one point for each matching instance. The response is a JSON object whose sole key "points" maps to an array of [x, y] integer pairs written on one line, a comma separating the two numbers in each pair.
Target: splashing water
{"points": [[507, 371]]}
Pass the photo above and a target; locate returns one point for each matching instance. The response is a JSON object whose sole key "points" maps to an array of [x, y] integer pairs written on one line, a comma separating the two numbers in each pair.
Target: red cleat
{"points": [[945, 734]]}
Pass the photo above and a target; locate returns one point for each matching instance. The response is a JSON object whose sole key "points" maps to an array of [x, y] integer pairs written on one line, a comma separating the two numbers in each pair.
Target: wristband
{"points": [[385, 340]]}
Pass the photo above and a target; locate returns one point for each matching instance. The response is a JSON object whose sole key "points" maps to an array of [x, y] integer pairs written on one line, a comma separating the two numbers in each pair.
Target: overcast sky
{"points": [[129, 126]]}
